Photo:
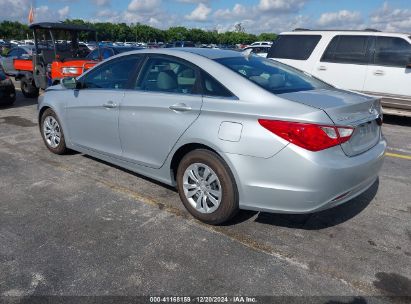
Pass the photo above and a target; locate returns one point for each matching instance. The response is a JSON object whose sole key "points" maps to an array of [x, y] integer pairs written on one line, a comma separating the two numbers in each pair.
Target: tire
{"points": [[50, 126], [10, 101], [213, 209], [28, 88]]}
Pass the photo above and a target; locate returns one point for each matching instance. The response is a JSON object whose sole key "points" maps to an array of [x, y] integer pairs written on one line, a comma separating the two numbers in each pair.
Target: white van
{"points": [[369, 61]]}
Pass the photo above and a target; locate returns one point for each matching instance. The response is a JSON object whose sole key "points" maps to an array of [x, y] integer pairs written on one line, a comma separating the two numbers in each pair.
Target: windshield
{"points": [[271, 75]]}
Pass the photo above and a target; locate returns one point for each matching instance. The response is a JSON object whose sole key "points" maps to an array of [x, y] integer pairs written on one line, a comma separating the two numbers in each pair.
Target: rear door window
{"points": [[297, 47], [392, 51], [166, 74], [348, 49]]}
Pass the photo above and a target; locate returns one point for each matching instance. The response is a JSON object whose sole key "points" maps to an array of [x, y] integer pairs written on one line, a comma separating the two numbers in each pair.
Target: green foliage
{"points": [[267, 37], [144, 33], [4, 51], [14, 30]]}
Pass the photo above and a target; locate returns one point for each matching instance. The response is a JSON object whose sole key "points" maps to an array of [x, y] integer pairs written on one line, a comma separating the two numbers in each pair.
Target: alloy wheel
{"points": [[202, 188]]}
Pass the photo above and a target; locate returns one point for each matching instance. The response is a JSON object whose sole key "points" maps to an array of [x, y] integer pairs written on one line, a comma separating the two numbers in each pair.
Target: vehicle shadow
{"points": [[313, 221], [130, 172], [323, 219], [397, 120]]}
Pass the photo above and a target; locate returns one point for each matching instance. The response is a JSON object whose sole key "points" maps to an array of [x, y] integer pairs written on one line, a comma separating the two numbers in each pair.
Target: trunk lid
{"points": [[346, 109]]}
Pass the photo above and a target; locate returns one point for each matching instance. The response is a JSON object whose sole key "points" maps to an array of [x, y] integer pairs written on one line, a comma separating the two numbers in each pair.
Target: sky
{"points": [[256, 16]]}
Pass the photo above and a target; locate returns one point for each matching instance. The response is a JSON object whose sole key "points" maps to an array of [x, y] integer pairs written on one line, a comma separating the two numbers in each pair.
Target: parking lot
{"points": [[74, 225]]}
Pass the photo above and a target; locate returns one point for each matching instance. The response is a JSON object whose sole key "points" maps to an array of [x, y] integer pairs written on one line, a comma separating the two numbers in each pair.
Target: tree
{"points": [[267, 37], [143, 33], [239, 28]]}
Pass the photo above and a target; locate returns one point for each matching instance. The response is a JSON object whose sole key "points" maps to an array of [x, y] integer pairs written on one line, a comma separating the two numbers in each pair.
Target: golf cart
{"points": [[57, 54]]}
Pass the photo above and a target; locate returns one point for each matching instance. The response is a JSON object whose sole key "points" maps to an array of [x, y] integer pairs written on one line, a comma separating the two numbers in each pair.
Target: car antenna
{"points": [[247, 53]]}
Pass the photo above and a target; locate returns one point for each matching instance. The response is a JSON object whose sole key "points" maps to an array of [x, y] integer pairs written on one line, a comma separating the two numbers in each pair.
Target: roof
{"points": [[372, 32], [334, 30], [209, 53], [61, 26]]}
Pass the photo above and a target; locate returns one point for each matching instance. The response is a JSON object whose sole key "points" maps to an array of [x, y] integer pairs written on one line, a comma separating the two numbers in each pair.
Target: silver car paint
{"points": [[270, 173]]}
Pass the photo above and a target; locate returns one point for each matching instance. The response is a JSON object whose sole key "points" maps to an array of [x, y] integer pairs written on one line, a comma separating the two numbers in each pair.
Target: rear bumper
{"points": [[300, 181]]}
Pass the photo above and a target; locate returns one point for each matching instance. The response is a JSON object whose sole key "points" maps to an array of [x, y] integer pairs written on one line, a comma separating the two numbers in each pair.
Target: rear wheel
{"points": [[206, 187], [52, 132], [28, 88], [11, 99]]}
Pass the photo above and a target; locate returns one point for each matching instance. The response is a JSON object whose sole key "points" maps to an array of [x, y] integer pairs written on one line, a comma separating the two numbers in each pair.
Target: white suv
{"points": [[369, 61]]}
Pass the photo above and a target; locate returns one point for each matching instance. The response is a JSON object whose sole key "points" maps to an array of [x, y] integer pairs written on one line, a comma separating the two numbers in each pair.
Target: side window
{"points": [[114, 74], [348, 49], [297, 47], [211, 87], [168, 75], [392, 51]]}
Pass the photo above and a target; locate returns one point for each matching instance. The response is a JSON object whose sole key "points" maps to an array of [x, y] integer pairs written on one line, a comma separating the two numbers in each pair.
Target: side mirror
{"points": [[70, 83], [408, 66]]}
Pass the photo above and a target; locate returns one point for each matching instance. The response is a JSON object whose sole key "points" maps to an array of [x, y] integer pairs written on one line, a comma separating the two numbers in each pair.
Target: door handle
{"points": [[180, 107], [322, 68], [379, 73], [110, 105]]}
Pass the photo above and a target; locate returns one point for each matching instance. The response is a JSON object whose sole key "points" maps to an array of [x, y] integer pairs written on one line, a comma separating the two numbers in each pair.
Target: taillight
{"points": [[312, 137]]}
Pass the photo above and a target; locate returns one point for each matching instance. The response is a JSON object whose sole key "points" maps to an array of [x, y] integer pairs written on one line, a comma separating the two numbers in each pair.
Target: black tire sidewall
{"points": [[61, 148], [28, 89], [229, 202]]}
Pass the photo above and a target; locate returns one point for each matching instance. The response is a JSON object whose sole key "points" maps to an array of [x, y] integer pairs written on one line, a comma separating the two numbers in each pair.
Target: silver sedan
{"points": [[230, 130]]}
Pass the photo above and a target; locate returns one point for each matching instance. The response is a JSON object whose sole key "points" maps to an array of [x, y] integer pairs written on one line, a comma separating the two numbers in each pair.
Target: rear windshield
{"points": [[297, 47], [271, 75]]}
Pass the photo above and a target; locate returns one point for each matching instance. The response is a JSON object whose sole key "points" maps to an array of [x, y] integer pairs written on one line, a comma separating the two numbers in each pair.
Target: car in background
{"points": [[261, 50], [367, 61], [7, 90], [20, 52], [261, 43], [92, 45], [230, 130], [183, 44], [105, 52], [6, 46]]}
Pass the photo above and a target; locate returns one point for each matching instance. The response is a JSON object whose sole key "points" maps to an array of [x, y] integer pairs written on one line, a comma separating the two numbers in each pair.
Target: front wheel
{"points": [[52, 132], [28, 88], [206, 187]]}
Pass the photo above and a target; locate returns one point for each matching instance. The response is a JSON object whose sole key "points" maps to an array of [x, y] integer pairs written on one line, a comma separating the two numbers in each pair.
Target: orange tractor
{"points": [[57, 54]]}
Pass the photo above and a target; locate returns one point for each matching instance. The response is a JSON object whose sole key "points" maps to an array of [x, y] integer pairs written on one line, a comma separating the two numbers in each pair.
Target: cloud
{"points": [[237, 11], [280, 5], [391, 19], [200, 13], [344, 18], [193, 1], [14, 10], [63, 12], [101, 2], [144, 6]]}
